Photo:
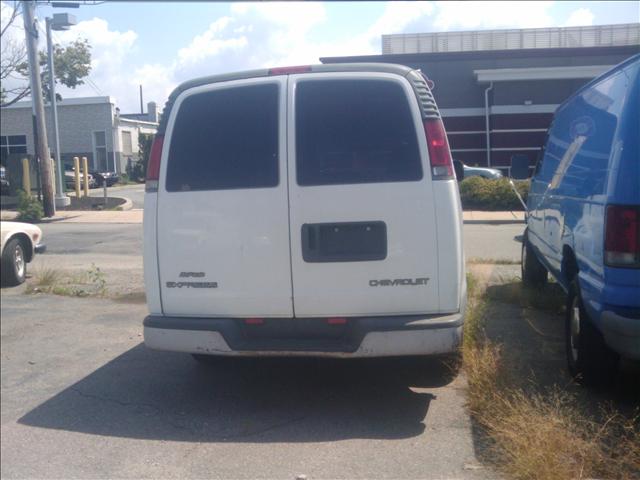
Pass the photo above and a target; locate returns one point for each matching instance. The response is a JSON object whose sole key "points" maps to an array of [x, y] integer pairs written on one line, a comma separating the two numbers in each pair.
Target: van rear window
{"points": [[225, 139], [354, 131]]}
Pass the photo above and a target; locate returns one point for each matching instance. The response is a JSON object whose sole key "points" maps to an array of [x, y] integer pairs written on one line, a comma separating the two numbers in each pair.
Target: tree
{"points": [[139, 170], [71, 63]]}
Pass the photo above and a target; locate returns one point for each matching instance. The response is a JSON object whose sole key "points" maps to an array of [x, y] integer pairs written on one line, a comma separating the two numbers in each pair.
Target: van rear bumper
{"points": [[360, 337], [621, 331]]}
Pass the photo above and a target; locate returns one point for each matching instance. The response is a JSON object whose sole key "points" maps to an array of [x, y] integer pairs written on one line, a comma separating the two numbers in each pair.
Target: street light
{"points": [[60, 21]]}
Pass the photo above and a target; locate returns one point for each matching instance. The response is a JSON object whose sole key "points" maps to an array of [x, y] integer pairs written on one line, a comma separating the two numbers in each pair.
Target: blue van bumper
{"points": [[621, 330]]}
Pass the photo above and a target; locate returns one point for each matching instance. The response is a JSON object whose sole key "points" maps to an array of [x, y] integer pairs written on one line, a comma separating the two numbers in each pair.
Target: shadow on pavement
{"points": [[168, 396]]}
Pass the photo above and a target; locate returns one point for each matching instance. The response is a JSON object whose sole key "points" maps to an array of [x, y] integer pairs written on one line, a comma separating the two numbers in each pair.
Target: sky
{"points": [[161, 44]]}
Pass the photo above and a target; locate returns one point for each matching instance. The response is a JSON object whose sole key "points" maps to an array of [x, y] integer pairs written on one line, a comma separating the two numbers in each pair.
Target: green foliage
{"points": [[61, 282], [72, 64], [477, 193], [144, 144], [138, 171], [97, 279], [29, 209], [125, 178]]}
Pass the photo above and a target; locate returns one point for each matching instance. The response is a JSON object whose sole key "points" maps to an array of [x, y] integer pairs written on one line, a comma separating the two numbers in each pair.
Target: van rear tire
{"points": [[534, 273], [589, 359]]}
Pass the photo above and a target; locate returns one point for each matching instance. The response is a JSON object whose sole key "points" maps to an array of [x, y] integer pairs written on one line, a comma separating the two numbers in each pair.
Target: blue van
{"points": [[583, 222]]}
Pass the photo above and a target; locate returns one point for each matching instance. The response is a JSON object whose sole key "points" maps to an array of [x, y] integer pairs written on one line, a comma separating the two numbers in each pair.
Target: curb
{"points": [[10, 215], [115, 188], [127, 205], [53, 219]]}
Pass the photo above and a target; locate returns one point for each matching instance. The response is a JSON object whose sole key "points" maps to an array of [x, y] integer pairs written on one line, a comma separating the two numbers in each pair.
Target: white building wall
{"points": [[136, 128], [78, 119]]}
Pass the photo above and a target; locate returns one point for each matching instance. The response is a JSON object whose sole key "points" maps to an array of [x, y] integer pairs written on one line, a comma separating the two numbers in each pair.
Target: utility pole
{"points": [[42, 150], [63, 23]]}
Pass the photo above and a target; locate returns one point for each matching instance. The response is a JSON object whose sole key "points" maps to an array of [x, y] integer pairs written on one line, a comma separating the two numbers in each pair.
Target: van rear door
{"points": [[363, 229], [223, 229]]}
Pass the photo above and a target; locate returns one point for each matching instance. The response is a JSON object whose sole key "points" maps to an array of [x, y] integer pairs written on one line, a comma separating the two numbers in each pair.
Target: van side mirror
{"points": [[519, 167], [459, 169]]}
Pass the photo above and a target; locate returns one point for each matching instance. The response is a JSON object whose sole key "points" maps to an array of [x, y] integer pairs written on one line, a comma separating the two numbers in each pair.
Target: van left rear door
{"points": [[223, 228]]}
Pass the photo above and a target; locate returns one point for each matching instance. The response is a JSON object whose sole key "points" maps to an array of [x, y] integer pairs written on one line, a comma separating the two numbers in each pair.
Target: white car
{"points": [[19, 242], [464, 171], [70, 179], [304, 211]]}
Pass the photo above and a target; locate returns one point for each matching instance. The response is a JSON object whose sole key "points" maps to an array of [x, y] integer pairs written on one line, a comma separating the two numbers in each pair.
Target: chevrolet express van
{"points": [[584, 220], [304, 211]]}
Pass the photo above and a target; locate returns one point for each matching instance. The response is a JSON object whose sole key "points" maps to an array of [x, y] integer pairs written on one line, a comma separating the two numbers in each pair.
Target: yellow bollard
{"points": [[76, 172], [26, 177], [85, 172]]}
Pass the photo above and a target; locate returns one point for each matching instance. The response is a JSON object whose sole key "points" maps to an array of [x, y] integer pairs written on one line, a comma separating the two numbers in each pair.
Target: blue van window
{"points": [[577, 155], [542, 151]]}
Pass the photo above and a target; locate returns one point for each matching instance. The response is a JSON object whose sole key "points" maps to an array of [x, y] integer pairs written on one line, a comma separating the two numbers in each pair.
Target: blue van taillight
{"points": [[622, 236]]}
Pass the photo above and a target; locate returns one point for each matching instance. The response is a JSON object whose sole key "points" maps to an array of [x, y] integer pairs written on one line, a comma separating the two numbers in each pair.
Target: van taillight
{"points": [[153, 169], [622, 236], [439, 153]]}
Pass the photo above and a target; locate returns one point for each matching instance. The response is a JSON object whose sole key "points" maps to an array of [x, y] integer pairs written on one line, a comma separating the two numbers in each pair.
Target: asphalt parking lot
{"points": [[82, 397]]}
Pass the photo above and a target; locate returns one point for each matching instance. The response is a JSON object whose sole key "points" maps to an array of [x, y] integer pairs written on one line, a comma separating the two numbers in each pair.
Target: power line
{"points": [[95, 87]]}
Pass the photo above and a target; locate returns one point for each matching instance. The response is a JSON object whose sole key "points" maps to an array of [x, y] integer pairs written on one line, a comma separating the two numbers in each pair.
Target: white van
{"points": [[304, 211]]}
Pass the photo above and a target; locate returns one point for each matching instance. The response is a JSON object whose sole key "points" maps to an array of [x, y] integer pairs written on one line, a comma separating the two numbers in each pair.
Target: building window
{"points": [[100, 147], [127, 146], [10, 144]]}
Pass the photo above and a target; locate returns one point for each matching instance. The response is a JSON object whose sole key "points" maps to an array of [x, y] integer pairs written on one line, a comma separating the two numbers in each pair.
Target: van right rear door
{"points": [[363, 226]]}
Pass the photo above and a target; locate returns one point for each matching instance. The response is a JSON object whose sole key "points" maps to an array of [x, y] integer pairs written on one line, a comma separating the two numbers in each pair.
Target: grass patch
{"points": [[61, 282], [493, 261], [551, 298], [535, 436], [46, 277], [549, 437]]}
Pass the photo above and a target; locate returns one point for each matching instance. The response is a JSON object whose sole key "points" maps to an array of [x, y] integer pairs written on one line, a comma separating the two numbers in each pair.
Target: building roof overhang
{"points": [[541, 73]]}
